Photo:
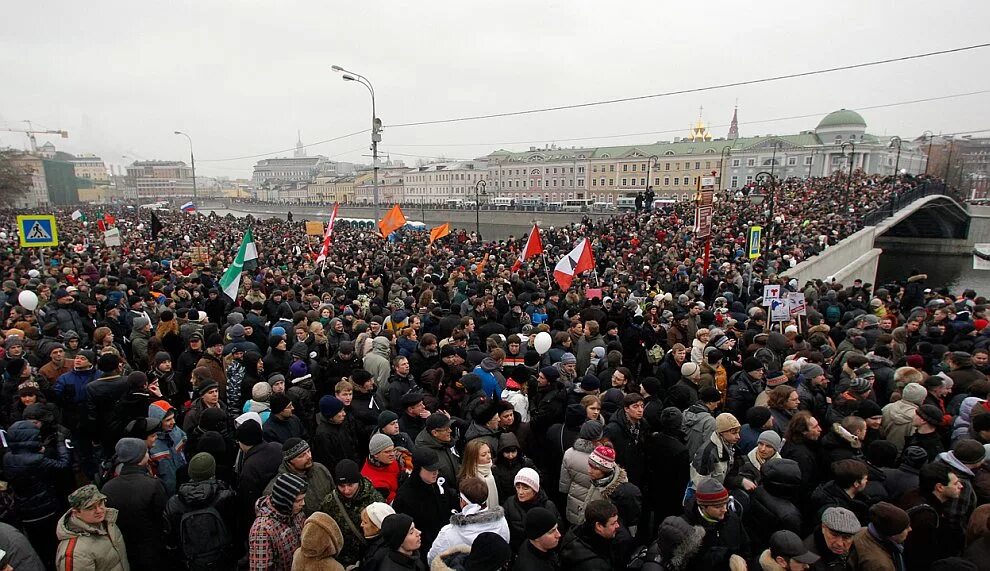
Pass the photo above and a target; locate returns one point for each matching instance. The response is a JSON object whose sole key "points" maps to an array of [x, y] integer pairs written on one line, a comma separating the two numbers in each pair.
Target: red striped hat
{"points": [[711, 492]]}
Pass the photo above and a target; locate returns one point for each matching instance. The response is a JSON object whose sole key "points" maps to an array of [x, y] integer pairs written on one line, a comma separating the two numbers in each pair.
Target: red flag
{"points": [[101, 225], [109, 219], [533, 247], [578, 260], [326, 237]]}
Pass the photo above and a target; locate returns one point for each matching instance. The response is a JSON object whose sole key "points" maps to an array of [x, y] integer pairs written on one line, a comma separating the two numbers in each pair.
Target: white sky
{"points": [[242, 76]]}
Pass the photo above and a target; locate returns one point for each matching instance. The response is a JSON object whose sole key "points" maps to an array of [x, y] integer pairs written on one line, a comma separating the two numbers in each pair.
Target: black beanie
{"points": [[539, 522], [250, 433], [395, 527], [278, 402], [489, 552]]}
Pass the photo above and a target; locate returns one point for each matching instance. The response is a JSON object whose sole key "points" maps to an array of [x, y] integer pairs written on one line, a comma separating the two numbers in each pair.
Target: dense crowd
{"points": [[408, 406]]}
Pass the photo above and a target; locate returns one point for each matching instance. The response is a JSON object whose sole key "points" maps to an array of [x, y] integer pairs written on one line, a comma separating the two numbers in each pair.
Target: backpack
{"points": [[204, 538], [833, 313], [654, 354]]}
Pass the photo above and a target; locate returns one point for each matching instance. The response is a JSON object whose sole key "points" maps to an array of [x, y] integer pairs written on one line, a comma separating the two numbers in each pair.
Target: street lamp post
{"points": [[948, 163], [477, 206], [649, 170], [928, 157], [851, 154], [897, 162], [376, 128], [773, 157], [726, 152], [192, 159], [771, 199], [812, 163]]}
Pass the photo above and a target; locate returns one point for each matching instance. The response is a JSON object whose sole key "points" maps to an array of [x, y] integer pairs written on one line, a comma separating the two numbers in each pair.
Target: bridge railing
{"points": [[899, 201]]}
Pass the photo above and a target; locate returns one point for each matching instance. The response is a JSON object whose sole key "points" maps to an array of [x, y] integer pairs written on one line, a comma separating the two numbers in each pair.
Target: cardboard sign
{"points": [[796, 304], [779, 310], [314, 228], [592, 293], [112, 237], [771, 293]]}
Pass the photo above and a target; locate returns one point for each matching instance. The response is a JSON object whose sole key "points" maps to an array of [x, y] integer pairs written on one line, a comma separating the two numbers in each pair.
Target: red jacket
{"points": [[384, 478]]}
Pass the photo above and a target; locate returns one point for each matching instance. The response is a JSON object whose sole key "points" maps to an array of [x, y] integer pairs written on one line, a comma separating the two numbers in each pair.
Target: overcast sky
{"points": [[241, 77]]}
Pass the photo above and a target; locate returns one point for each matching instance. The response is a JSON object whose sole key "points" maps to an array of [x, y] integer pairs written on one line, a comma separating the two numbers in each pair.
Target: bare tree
{"points": [[15, 178]]}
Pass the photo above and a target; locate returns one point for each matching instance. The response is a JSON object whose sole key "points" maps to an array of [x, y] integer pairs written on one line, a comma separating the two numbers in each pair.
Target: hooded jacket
{"points": [[772, 506], [699, 424], [574, 479], [321, 541], [274, 538], [450, 462], [897, 419], [192, 496], [492, 381], [464, 527], [168, 453], [378, 363], [32, 475], [84, 546]]}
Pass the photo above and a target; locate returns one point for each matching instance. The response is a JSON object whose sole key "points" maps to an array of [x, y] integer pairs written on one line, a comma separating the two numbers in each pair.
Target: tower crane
{"points": [[31, 132]]}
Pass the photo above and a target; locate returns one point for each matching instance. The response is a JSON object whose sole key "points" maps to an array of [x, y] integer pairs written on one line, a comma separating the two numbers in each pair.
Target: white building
{"points": [[161, 180], [439, 182]]}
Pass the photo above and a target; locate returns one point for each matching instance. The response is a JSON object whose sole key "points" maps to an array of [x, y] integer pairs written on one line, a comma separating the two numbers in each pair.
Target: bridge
{"points": [[924, 220]]}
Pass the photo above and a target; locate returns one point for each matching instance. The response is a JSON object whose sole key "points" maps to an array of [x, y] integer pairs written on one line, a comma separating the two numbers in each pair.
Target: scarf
{"points": [[485, 473]]}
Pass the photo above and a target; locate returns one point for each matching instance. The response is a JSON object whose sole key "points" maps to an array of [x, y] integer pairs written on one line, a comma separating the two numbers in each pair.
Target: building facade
{"points": [[92, 168], [37, 194], [160, 180], [439, 183], [391, 188], [327, 190]]}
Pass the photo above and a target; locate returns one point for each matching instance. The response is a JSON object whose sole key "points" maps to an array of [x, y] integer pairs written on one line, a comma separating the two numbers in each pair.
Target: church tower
{"points": [[734, 126], [300, 150]]}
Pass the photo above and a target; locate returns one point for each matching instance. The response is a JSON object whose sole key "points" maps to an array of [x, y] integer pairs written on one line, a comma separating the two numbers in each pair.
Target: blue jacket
{"points": [[31, 474], [71, 387], [168, 454]]}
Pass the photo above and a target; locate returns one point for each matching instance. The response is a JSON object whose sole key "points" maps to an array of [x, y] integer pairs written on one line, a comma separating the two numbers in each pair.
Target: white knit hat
{"points": [[378, 511], [529, 477]]}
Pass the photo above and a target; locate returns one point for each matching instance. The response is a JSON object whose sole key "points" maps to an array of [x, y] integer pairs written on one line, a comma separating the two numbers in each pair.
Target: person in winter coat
{"points": [[509, 460], [744, 387], [378, 363], [438, 437], [258, 462], [140, 501], [725, 544], [209, 397], [801, 445], [676, 544], [718, 458], [575, 482], [767, 449], [381, 467], [476, 517], [425, 497], [19, 554], [335, 438], [591, 546], [699, 419], [880, 545], [32, 477], [168, 451], [321, 541], [832, 539], [528, 496], [845, 490], [538, 551], [202, 492], [283, 424], [627, 431], [403, 541], [371, 527], [297, 459], [686, 391], [351, 494], [67, 313], [277, 530], [773, 504], [484, 427], [515, 396], [610, 482], [904, 477], [898, 417], [88, 535]]}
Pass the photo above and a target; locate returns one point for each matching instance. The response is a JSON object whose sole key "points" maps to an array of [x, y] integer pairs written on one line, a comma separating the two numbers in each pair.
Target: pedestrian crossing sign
{"points": [[37, 230]]}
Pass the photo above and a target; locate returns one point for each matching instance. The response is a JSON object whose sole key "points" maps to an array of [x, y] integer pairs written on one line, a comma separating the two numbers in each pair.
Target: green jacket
{"points": [[349, 518], [319, 484]]}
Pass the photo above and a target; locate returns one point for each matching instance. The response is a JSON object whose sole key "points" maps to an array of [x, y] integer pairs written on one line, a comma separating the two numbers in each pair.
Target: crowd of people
{"points": [[407, 406]]}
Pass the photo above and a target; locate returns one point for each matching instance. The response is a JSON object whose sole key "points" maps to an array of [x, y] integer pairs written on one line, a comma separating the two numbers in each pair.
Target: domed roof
{"points": [[842, 117]]}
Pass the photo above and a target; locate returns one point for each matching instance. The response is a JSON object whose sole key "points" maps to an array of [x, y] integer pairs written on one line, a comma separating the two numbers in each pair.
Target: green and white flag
{"points": [[78, 215], [231, 280]]}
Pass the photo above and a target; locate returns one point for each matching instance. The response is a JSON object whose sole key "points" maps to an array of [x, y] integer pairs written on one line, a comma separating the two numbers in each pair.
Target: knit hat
{"points": [[757, 417], [725, 422], [278, 402], [551, 373], [236, 330], [412, 398], [652, 386], [141, 322], [379, 443], [711, 492], [860, 385], [568, 359], [770, 438], [436, 421], [330, 406], [489, 552], [161, 357], [346, 472], [206, 386], [276, 378], [261, 392], [709, 394], [775, 378], [485, 411], [539, 522], [130, 451], [285, 490], [968, 451], [914, 393], [395, 528], [293, 447], [751, 364], [868, 409], [671, 418], [888, 519], [916, 361], [590, 383], [930, 414], [591, 430], [811, 370], [249, 433], [914, 457], [529, 477], [841, 520], [603, 458], [377, 512], [385, 418], [690, 369], [202, 467], [108, 362]]}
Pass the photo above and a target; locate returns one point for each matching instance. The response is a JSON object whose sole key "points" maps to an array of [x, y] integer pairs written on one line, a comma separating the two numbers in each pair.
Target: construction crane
{"points": [[31, 132]]}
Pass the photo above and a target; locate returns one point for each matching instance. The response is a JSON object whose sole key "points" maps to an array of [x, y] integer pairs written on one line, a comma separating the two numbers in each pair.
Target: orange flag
{"points": [[392, 221], [439, 232], [481, 266]]}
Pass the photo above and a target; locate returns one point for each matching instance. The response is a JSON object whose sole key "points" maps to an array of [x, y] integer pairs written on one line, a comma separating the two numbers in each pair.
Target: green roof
{"points": [[840, 118]]}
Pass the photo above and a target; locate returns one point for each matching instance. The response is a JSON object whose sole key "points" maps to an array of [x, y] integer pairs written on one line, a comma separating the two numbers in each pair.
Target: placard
{"points": [[314, 228], [796, 304], [779, 310]]}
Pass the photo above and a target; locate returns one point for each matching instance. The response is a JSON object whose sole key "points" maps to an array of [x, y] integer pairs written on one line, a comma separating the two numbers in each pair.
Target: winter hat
{"points": [[841, 520], [425, 458], [868, 409], [771, 438], [293, 447], [489, 552], [130, 451], [161, 409], [568, 359], [379, 443], [285, 490], [968, 451], [276, 378], [590, 383], [161, 357], [385, 418], [137, 381], [412, 398], [652, 386], [142, 427], [261, 392], [916, 361], [757, 417], [914, 456], [377, 512], [930, 414], [298, 369], [395, 528], [436, 421], [725, 422], [811, 370], [108, 362], [673, 533], [711, 492], [888, 519], [529, 477], [539, 522], [213, 443], [206, 386], [709, 394], [690, 369], [202, 467], [141, 322], [346, 472], [485, 411], [236, 330], [914, 393], [249, 433], [551, 373], [775, 378], [330, 406], [671, 418], [603, 458], [751, 364], [882, 454], [278, 402], [591, 430]]}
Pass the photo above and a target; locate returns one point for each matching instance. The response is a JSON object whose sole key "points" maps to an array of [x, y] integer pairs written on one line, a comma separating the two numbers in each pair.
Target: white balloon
{"points": [[141, 226], [3, 235], [543, 342], [187, 237], [28, 299]]}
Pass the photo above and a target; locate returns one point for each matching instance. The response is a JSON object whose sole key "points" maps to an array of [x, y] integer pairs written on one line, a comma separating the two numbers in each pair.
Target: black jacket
{"points": [[428, 507], [668, 472], [806, 454], [683, 394], [629, 450], [515, 515], [772, 506], [335, 442], [582, 549], [101, 398], [140, 500], [743, 391], [830, 495], [257, 467], [528, 558], [278, 430], [191, 496], [722, 539], [31, 475]]}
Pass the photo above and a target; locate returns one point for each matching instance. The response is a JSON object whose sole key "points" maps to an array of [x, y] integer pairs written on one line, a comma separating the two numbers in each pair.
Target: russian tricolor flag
{"points": [[189, 207]]}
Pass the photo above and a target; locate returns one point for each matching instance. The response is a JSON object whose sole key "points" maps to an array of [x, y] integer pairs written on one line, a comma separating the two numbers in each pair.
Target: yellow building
{"points": [[331, 189]]}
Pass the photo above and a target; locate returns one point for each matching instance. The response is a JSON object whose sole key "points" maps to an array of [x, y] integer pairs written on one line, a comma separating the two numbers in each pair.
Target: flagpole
{"points": [[546, 268]]}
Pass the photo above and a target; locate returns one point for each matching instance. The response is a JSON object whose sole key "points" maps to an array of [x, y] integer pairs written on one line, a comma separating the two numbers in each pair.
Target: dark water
{"points": [[953, 272]]}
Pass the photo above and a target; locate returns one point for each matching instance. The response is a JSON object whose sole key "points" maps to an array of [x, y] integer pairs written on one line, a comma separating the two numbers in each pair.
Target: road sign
{"points": [[37, 230], [753, 245]]}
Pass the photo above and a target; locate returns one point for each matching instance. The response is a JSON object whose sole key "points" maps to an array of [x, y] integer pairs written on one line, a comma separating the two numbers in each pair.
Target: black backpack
{"points": [[205, 540]]}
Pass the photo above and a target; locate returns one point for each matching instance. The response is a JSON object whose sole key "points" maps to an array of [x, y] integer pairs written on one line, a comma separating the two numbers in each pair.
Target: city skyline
{"points": [[256, 82]]}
